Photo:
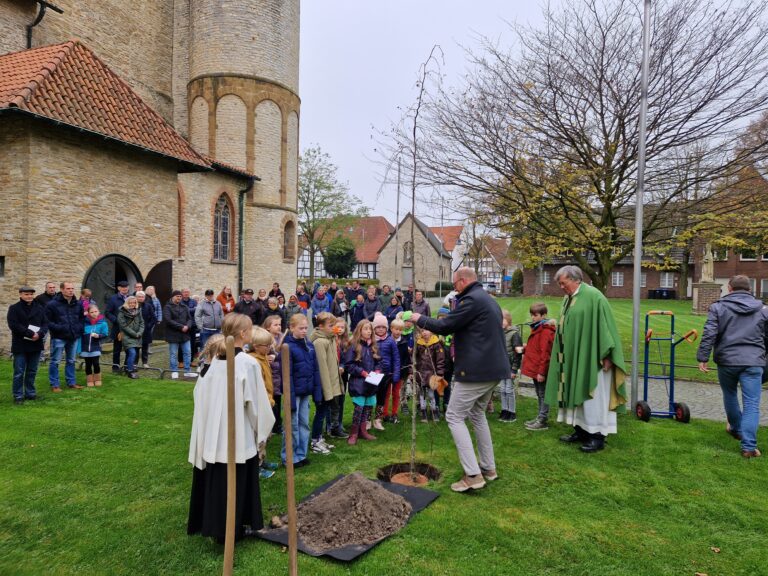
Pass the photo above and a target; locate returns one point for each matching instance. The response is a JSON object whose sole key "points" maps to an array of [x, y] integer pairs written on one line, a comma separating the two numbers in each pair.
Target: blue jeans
{"points": [[299, 429], [205, 334], [24, 372], [130, 359], [186, 353], [59, 347], [745, 423]]}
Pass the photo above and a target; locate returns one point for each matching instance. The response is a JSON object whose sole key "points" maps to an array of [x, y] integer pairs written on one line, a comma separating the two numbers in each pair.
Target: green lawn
{"points": [[96, 482], [685, 320]]}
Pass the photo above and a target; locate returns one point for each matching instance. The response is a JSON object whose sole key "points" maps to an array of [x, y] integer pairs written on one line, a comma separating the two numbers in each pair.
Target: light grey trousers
{"points": [[468, 401]]}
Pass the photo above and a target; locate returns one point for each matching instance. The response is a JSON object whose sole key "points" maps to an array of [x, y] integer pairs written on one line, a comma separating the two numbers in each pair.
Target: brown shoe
{"points": [[55, 390], [751, 453], [75, 387], [97, 380]]}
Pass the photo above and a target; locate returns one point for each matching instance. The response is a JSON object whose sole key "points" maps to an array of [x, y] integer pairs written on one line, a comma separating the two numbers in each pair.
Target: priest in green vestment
{"points": [[586, 372]]}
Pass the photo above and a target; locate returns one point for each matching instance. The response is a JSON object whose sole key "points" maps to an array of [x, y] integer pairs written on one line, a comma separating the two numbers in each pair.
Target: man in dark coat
{"points": [[28, 325], [66, 324], [178, 327], [43, 299], [114, 304], [250, 307], [481, 363]]}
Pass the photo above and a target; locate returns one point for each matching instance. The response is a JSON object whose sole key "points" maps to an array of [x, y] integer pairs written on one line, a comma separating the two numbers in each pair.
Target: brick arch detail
{"points": [[222, 191], [283, 223]]}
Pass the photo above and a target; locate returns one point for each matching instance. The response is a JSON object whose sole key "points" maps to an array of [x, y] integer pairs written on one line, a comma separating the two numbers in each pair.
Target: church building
{"points": [[148, 141]]}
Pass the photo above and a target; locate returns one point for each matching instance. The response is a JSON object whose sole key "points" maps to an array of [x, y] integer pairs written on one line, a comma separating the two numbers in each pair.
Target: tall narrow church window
{"points": [[289, 241], [222, 228]]}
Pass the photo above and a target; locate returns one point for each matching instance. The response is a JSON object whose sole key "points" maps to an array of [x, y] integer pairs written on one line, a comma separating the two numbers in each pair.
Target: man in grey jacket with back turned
{"points": [[736, 329]]}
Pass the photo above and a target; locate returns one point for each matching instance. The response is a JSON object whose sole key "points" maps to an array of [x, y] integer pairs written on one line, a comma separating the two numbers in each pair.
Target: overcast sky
{"points": [[360, 61]]}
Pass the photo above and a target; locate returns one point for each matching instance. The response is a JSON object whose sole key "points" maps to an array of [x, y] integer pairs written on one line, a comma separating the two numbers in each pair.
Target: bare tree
{"points": [[546, 137], [325, 204]]}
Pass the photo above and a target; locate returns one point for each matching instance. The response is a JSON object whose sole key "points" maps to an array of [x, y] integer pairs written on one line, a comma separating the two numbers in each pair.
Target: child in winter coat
{"points": [[404, 349], [96, 328], [341, 332], [514, 344], [259, 348], [538, 351], [390, 365], [272, 325], [430, 360], [361, 359], [305, 385], [330, 378]]}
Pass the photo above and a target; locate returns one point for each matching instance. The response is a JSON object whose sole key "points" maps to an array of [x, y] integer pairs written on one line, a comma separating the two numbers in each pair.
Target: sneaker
{"points": [[489, 475], [339, 433], [529, 422], [325, 443], [319, 448], [511, 417], [146, 366], [503, 416], [394, 420], [270, 465], [190, 374], [537, 425], [469, 483], [301, 463], [377, 424], [174, 375], [264, 473]]}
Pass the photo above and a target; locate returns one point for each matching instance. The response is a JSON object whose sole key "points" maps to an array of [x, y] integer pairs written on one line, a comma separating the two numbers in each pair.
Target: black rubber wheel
{"points": [[682, 413], [643, 410]]}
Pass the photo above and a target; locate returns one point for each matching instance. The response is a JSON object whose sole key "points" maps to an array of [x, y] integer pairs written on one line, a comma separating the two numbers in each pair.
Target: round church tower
{"points": [[244, 110]]}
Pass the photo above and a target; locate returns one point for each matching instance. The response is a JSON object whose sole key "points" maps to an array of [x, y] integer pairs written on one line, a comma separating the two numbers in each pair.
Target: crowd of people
{"points": [[375, 347]]}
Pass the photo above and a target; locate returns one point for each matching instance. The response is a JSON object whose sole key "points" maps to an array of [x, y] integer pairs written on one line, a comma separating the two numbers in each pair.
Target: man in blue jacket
{"points": [[28, 325], [66, 324], [736, 329], [481, 363]]}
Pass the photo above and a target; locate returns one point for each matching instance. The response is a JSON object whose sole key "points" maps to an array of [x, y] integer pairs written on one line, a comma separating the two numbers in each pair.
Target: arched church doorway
{"points": [[104, 274], [161, 277]]}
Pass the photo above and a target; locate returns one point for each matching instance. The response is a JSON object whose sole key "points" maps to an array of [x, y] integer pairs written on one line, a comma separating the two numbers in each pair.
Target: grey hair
{"points": [[571, 272]]}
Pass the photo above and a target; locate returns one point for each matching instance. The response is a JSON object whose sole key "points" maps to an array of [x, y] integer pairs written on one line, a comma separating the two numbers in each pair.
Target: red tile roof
{"points": [[369, 234], [499, 249], [69, 84], [448, 235]]}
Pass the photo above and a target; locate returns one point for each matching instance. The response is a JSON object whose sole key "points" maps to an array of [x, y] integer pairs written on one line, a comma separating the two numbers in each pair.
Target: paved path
{"points": [[704, 400]]}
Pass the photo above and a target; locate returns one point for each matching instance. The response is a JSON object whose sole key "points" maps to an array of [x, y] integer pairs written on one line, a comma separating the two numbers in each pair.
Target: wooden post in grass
{"points": [[293, 536], [229, 541]]}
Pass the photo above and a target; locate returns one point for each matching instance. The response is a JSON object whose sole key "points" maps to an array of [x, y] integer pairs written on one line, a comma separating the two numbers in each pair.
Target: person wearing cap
{"points": [[249, 307], [114, 304], [28, 325], [208, 317], [178, 327], [66, 324]]}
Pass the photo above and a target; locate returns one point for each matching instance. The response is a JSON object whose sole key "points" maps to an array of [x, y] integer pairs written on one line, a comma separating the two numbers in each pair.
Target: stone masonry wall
{"points": [[255, 38], [132, 38], [14, 182], [86, 199], [196, 269]]}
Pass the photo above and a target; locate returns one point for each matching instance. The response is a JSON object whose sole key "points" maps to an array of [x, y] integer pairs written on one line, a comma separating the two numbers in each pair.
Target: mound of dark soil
{"points": [[354, 511]]}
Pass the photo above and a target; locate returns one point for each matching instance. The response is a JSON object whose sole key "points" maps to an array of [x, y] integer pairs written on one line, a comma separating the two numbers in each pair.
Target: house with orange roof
{"points": [[129, 156], [454, 241], [367, 233]]}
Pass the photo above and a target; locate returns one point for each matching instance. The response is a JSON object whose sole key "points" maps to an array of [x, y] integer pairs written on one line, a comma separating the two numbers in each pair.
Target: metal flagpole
{"points": [[397, 222], [639, 199]]}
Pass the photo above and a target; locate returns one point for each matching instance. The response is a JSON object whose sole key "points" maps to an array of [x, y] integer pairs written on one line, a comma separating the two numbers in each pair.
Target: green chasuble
{"points": [[586, 333]]}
